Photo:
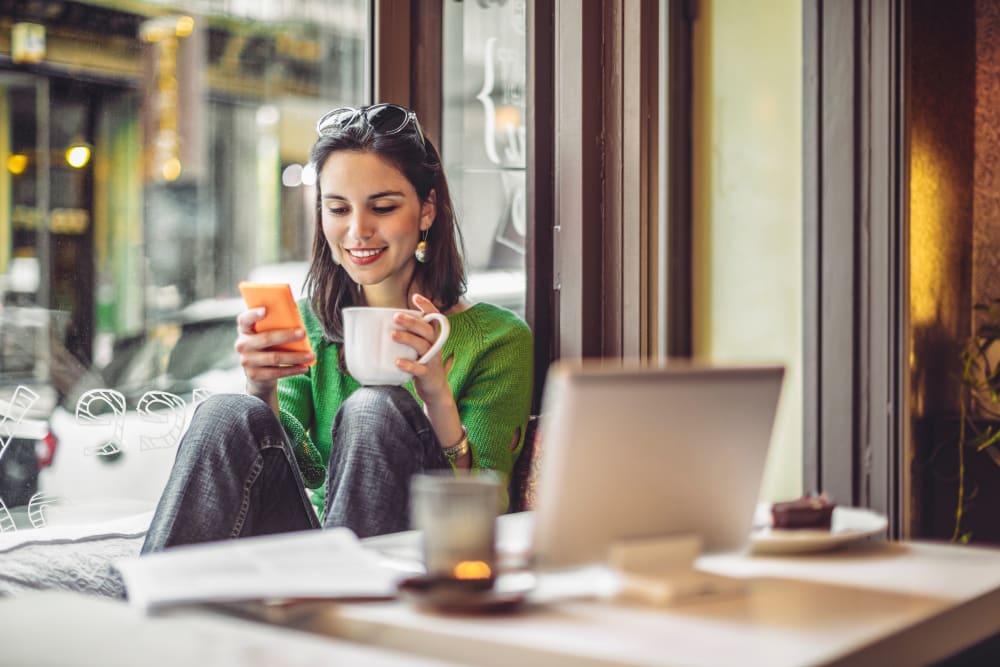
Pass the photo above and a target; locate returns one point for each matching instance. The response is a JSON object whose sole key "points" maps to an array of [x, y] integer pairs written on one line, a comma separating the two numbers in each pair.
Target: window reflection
{"points": [[142, 153], [484, 141]]}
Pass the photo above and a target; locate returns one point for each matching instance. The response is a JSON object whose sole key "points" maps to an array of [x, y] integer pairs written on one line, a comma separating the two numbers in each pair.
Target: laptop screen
{"points": [[632, 453]]}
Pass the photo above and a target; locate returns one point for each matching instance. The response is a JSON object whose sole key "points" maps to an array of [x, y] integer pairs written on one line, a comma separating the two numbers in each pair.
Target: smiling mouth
{"points": [[365, 253], [364, 256]]}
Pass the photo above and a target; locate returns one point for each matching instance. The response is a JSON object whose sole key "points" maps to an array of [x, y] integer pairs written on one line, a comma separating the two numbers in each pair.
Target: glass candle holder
{"points": [[456, 514]]}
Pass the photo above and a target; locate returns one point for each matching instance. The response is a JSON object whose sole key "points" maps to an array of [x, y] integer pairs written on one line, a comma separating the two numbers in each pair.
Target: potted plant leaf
{"points": [[979, 402]]}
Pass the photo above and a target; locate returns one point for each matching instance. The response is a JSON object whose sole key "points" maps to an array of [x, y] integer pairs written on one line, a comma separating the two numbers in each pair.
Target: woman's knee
{"points": [[228, 406], [379, 416], [378, 404], [228, 421]]}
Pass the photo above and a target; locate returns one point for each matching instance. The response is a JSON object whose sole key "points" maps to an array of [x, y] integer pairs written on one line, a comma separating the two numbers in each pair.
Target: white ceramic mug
{"points": [[370, 351]]}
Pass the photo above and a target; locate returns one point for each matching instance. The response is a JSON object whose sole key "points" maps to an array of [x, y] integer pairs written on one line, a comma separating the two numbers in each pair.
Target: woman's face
{"points": [[372, 219]]}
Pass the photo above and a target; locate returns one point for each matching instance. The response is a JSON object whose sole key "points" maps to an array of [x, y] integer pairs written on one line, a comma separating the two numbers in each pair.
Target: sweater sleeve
{"points": [[296, 413], [497, 401]]}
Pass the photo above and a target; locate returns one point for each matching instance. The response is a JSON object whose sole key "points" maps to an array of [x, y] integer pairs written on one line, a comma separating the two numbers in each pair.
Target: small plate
{"points": [[506, 595], [849, 524]]}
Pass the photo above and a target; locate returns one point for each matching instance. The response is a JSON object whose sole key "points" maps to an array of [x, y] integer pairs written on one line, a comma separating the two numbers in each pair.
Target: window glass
{"points": [[483, 141], [152, 155]]}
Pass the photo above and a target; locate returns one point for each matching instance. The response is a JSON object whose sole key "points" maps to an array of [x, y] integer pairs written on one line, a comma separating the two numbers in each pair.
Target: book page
{"points": [[310, 564]]}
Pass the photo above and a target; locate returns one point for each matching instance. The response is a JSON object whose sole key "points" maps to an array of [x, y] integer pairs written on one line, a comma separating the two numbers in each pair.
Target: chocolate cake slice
{"points": [[814, 512]]}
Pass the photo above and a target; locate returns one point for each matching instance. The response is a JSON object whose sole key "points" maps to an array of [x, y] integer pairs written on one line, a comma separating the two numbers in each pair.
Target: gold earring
{"points": [[421, 252]]}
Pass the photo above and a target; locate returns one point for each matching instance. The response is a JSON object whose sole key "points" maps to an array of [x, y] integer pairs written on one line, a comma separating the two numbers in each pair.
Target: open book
{"points": [[310, 564]]}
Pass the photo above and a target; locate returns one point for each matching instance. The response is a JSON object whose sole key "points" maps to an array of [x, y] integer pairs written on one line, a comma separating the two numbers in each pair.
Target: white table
{"points": [[67, 629], [870, 604], [874, 603]]}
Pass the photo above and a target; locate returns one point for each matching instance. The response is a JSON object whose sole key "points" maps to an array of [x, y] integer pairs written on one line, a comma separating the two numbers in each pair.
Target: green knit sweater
{"points": [[490, 377]]}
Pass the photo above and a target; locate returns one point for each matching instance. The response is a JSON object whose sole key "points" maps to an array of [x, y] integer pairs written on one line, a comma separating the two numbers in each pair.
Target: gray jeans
{"points": [[235, 473]]}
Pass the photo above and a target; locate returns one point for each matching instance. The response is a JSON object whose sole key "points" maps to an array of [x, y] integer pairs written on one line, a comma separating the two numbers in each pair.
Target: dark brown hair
{"points": [[442, 277]]}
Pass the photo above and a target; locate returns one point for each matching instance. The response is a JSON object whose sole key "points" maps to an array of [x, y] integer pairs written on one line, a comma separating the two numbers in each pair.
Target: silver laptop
{"points": [[632, 453]]}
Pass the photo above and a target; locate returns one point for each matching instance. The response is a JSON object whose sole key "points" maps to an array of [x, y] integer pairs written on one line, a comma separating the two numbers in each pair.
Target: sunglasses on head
{"points": [[383, 118]]}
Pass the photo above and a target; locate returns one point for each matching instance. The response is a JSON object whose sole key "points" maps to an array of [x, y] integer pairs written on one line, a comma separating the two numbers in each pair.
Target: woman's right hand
{"points": [[263, 366]]}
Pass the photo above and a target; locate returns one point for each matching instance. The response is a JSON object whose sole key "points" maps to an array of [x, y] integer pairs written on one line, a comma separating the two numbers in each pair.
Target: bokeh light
{"points": [[309, 174], [171, 169], [77, 156], [185, 26], [291, 177], [17, 163]]}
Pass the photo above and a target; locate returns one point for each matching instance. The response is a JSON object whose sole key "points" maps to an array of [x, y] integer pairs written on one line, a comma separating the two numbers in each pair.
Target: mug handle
{"points": [[442, 336]]}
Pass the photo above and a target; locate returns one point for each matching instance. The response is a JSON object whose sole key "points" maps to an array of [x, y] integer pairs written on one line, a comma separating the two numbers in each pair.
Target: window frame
{"points": [[594, 229], [854, 328]]}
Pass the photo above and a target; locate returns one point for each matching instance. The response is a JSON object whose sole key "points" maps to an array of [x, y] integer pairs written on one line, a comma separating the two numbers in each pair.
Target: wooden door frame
{"points": [[407, 68], [605, 198], [675, 302], [540, 306]]}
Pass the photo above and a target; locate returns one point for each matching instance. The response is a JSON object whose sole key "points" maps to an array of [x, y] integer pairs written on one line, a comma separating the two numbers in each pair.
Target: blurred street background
{"points": [[152, 155]]}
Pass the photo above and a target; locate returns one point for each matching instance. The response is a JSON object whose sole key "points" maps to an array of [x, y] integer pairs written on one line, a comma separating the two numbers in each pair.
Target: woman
{"points": [[307, 447]]}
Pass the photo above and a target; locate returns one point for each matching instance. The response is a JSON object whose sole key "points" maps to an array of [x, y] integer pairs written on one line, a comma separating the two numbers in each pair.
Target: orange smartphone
{"points": [[280, 312]]}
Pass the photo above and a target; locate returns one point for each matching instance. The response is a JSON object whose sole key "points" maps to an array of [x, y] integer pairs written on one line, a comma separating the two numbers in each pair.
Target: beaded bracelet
{"points": [[459, 449]]}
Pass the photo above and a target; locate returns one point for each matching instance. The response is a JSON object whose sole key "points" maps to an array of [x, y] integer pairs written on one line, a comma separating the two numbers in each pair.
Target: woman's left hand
{"points": [[429, 379]]}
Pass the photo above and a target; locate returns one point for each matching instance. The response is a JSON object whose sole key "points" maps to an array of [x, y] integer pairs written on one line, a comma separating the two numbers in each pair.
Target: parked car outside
{"points": [[27, 446], [118, 441], [28, 359]]}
